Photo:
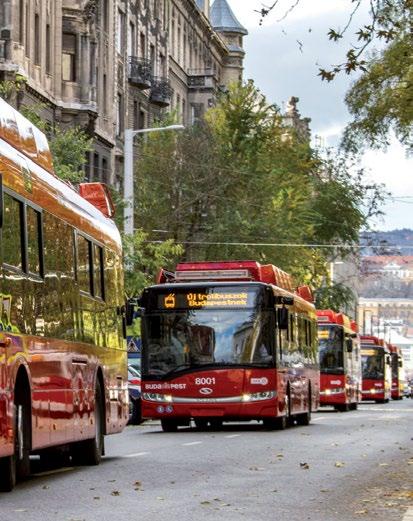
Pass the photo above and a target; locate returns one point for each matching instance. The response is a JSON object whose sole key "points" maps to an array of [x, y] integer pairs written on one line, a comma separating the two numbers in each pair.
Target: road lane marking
{"points": [[233, 436], [191, 443], [318, 418], [408, 516], [135, 455]]}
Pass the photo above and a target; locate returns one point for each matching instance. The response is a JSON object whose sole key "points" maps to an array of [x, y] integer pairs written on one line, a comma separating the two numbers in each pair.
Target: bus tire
{"points": [[17, 465], [89, 452], [169, 425], [7, 473], [216, 424], [136, 417], [305, 418]]}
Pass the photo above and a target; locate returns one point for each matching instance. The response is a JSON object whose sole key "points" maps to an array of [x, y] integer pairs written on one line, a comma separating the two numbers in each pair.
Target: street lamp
{"points": [[128, 172]]}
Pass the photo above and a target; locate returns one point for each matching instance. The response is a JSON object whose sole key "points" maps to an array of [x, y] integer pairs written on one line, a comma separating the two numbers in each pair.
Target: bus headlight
{"points": [[256, 397], [153, 397]]}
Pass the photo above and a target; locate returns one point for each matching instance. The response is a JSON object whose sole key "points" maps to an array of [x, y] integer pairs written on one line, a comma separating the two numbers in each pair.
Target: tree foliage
{"points": [[143, 260], [381, 99], [243, 185]]}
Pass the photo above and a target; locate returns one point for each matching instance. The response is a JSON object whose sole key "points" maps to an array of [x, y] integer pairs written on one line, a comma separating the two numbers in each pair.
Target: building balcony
{"points": [[139, 72], [161, 92], [201, 79]]}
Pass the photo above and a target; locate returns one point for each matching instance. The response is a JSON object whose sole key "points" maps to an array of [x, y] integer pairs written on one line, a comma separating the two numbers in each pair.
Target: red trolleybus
{"points": [[340, 362], [228, 341], [376, 369], [397, 372], [63, 370]]}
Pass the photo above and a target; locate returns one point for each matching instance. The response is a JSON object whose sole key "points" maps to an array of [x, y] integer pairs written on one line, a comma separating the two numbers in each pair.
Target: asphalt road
{"points": [[343, 467]]}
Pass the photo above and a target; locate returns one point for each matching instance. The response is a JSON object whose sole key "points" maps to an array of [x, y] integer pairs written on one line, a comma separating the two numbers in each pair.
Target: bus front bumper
{"points": [[246, 407]]}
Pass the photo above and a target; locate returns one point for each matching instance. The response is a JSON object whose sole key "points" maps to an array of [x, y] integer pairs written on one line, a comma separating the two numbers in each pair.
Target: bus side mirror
{"points": [[388, 361], [282, 318], [349, 345], [400, 363], [129, 312]]}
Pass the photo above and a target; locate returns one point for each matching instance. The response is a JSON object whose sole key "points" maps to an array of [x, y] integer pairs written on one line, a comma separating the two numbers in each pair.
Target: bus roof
{"points": [[35, 179]]}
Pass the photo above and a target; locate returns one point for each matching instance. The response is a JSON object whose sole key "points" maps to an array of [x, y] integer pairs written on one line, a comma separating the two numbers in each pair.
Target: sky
{"points": [[283, 58]]}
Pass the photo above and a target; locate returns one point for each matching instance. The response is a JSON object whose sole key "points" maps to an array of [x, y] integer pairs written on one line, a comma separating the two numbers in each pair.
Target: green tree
{"points": [[143, 259], [380, 100], [244, 186]]}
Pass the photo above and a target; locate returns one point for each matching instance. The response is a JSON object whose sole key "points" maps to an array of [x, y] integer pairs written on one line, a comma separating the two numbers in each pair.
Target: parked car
{"points": [[135, 405]]}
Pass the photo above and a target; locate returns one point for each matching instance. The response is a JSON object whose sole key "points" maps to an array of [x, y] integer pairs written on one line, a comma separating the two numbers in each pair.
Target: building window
{"points": [[105, 14], [131, 40], [96, 172], [119, 116], [135, 114], [37, 42], [48, 50], [141, 122], [142, 45], [21, 22], [27, 31], [153, 60], [120, 32], [105, 171], [69, 57], [105, 94]]}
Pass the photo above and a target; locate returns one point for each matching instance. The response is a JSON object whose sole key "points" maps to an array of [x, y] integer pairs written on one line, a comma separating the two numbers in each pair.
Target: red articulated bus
{"points": [[376, 369], [397, 372], [228, 341], [63, 361], [340, 361]]}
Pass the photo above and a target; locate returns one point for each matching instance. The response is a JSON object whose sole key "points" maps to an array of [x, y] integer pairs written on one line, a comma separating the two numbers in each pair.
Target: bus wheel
{"points": [[305, 419], [216, 424], [169, 425], [89, 452], [7, 473], [17, 466], [282, 422]]}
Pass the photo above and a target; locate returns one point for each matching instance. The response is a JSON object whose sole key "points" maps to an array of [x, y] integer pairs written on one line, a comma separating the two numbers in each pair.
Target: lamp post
{"points": [[128, 194]]}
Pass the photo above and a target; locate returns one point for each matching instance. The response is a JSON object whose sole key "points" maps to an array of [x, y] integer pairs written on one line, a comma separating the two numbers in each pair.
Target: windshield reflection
{"points": [[179, 340], [331, 347]]}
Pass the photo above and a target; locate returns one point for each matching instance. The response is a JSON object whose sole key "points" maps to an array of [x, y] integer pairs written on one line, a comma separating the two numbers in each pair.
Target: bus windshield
{"points": [[205, 337], [331, 347], [372, 364]]}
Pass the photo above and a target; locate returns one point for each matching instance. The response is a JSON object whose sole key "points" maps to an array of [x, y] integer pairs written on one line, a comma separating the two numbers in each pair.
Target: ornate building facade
{"points": [[107, 65]]}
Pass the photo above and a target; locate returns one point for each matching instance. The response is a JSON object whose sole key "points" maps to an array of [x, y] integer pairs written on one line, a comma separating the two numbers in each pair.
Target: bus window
{"points": [[84, 264], [33, 219], [12, 232], [98, 271]]}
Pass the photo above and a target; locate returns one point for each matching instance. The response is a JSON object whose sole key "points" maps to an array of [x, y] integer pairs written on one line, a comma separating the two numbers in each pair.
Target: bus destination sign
{"points": [[202, 299]]}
